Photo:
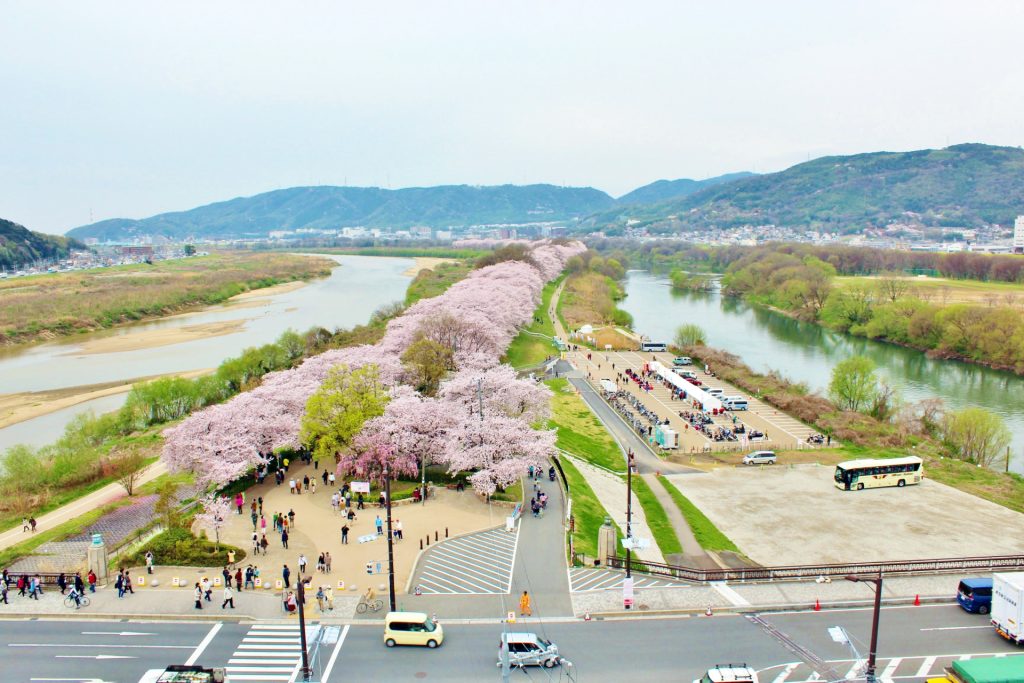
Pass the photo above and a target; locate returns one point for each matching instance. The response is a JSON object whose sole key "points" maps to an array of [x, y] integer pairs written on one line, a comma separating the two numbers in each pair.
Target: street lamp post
{"points": [[873, 651], [391, 540], [629, 513], [302, 628]]}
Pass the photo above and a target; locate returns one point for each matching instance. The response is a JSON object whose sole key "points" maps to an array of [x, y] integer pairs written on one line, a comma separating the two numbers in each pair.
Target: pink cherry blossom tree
{"points": [[214, 515], [502, 392], [499, 448]]}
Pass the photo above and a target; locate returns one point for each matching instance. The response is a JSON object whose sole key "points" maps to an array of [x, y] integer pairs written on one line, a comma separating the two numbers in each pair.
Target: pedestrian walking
{"points": [[302, 563], [264, 543], [329, 597], [119, 584], [291, 486], [398, 529], [286, 575], [524, 605], [32, 523], [3, 592], [320, 597], [198, 595], [62, 583], [323, 476], [226, 573], [260, 501], [249, 577], [91, 578], [344, 534], [22, 584], [320, 563], [79, 583], [149, 561], [128, 582], [229, 598], [24, 525], [254, 519], [327, 562], [379, 524], [312, 486], [207, 589], [255, 543], [359, 505], [238, 578], [284, 538], [231, 557], [263, 523], [291, 519]]}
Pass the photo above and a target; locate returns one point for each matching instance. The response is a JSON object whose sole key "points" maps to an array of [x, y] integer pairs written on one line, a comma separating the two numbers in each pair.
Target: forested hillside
{"points": [[20, 246]]}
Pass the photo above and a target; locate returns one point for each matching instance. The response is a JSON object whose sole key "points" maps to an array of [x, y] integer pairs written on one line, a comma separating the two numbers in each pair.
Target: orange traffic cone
{"points": [[917, 601], [817, 605]]}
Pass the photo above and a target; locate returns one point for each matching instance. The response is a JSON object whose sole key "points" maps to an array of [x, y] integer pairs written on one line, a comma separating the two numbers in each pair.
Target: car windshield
{"points": [[429, 626]]}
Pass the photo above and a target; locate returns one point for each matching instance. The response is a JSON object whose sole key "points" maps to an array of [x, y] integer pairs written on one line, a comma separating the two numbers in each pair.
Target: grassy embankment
{"points": [[527, 349], [579, 432], [431, 283], [657, 519], [61, 304], [408, 252], [707, 534]]}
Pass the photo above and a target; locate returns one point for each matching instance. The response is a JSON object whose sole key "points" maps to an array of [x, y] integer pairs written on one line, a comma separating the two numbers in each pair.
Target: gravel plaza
{"points": [[787, 515]]}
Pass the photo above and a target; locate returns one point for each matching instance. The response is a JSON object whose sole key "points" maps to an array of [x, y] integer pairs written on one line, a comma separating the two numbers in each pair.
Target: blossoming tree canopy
{"points": [[215, 514], [416, 427], [373, 457], [500, 448], [338, 410], [501, 391]]}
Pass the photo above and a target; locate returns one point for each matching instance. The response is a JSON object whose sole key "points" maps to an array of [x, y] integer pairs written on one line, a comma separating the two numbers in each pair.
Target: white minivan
{"points": [[734, 402]]}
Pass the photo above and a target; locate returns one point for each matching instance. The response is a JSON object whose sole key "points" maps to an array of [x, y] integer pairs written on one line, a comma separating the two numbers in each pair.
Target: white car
{"points": [[760, 458]]}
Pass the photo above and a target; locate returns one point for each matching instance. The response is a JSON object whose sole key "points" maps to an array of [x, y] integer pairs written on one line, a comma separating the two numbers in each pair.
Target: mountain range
{"points": [[967, 185], [960, 186], [19, 245]]}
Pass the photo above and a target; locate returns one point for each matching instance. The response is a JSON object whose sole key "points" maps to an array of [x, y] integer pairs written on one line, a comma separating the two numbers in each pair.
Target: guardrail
{"points": [[813, 571]]}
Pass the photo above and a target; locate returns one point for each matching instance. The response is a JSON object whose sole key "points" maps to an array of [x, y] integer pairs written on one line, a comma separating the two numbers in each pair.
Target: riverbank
{"points": [[47, 307], [27, 405], [425, 263]]}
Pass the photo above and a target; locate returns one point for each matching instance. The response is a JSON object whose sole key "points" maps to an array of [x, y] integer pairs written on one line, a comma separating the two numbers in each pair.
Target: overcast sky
{"points": [[130, 109]]}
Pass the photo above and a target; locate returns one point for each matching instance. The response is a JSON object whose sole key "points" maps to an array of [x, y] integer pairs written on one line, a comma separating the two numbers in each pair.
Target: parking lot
{"points": [[782, 515]]}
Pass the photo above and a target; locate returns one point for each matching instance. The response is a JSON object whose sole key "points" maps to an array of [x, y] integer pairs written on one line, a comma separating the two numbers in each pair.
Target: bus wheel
{"points": [[901, 483], [860, 487]]}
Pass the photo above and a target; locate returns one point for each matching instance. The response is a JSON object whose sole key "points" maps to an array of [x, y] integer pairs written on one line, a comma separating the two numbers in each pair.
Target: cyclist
{"points": [[76, 596], [369, 596]]}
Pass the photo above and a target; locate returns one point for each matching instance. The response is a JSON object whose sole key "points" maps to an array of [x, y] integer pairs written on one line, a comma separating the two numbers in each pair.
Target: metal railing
{"points": [[813, 571]]}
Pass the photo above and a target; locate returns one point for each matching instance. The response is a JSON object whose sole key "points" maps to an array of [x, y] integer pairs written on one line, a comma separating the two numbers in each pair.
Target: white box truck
{"points": [[1008, 606]]}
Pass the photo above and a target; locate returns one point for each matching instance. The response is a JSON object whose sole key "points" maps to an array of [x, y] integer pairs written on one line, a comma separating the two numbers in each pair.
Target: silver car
{"points": [[529, 649], [760, 458]]}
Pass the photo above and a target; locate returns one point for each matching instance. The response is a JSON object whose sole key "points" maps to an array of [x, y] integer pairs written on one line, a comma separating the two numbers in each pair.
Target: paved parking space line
{"points": [[475, 564], [444, 552], [472, 580], [468, 583], [454, 566], [926, 666]]}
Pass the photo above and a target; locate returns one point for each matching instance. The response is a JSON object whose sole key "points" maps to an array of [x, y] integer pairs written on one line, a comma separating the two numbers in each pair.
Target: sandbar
{"points": [[424, 263], [161, 337], [26, 405]]}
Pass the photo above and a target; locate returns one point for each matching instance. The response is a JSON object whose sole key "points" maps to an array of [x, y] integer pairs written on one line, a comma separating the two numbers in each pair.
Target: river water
{"points": [[766, 340], [348, 297]]}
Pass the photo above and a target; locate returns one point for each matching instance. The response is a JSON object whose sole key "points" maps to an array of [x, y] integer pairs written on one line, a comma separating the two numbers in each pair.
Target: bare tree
{"points": [[128, 468], [892, 286]]}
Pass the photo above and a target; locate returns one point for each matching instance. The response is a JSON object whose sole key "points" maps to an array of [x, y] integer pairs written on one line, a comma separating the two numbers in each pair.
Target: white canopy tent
{"points": [[709, 401]]}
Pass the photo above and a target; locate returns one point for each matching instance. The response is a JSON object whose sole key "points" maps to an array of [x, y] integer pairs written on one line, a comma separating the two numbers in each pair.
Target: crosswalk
{"points": [[475, 564], [267, 653], [902, 669], [583, 580]]}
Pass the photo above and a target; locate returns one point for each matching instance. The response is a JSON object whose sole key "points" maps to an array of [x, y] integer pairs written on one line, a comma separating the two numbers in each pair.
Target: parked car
{"points": [[680, 361], [760, 458]]}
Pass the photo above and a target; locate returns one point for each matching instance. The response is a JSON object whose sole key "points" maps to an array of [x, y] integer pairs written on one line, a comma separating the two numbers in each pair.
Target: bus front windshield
{"points": [[840, 474]]}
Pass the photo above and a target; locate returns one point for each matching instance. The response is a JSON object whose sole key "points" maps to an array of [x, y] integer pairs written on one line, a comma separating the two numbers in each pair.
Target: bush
{"points": [[178, 547]]}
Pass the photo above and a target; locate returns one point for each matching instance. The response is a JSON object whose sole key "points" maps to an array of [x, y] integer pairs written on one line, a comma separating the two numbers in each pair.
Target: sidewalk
{"points": [[76, 508]]}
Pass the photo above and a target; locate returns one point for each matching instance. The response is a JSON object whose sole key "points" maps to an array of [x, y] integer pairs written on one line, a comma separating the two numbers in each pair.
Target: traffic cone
{"points": [[418, 591], [817, 605], [917, 601], [708, 612], [586, 616]]}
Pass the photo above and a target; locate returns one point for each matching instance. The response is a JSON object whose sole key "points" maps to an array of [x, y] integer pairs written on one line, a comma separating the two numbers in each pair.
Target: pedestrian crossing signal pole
{"points": [[391, 540], [302, 627]]}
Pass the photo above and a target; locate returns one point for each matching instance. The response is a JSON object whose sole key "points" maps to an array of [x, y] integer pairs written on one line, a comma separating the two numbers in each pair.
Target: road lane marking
{"points": [[334, 655], [852, 673], [203, 644], [729, 594], [890, 669], [95, 657], [152, 647], [954, 628], [269, 662], [115, 633], [925, 667], [784, 674]]}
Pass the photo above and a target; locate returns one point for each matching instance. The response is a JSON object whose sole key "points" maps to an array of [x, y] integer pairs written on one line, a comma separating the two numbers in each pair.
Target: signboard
{"points": [[360, 486], [636, 543], [368, 538]]}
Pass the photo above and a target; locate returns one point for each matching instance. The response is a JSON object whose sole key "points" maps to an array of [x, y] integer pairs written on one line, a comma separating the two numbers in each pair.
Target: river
{"points": [[348, 297], [805, 352]]}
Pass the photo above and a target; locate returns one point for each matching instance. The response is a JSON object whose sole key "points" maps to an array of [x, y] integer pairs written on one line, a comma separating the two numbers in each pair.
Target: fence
{"points": [[813, 571]]}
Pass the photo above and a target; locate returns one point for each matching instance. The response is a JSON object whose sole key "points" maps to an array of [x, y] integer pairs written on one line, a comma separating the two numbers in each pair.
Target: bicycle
{"points": [[69, 601], [375, 605]]}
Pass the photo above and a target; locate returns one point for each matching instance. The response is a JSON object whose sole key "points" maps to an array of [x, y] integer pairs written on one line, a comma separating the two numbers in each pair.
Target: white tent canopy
{"points": [[609, 386], [709, 401]]}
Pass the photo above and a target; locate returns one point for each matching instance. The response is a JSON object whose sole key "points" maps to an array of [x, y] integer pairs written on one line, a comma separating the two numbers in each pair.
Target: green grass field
{"points": [[708, 535], [587, 512], [528, 349], [657, 519], [579, 431]]}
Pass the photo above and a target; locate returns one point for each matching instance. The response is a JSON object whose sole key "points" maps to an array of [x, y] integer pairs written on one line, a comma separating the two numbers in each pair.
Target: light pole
{"points": [[873, 650], [302, 628], [391, 539]]}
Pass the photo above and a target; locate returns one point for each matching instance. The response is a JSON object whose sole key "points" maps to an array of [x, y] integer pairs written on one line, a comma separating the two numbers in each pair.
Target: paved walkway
{"points": [[80, 506]]}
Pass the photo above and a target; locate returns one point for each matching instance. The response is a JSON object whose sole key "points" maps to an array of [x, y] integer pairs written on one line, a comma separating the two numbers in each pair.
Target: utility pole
{"points": [[302, 628], [391, 539]]}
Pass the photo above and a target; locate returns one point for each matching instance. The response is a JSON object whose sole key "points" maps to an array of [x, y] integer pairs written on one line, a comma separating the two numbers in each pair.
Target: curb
{"points": [[737, 610]]}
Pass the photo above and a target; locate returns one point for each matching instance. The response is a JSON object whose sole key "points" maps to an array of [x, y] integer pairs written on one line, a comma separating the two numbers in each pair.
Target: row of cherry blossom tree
{"points": [[483, 417]]}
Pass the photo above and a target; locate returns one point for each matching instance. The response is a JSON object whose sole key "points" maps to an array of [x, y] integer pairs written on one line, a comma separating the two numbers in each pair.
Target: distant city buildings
{"points": [[1018, 235]]}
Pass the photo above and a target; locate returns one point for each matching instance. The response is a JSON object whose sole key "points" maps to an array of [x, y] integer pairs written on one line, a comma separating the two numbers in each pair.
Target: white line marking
{"points": [[852, 673], [512, 566], [245, 646], [729, 594], [890, 669], [264, 654], [202, 645], [271, 640], [250, 677], [151, 647], [269, 662], [954, 628], [334, 655], [925, 667], [785, 672], [257, 669]]}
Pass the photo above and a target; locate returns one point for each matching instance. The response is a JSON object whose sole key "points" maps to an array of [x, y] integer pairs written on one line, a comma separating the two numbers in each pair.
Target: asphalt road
{"points": [[923, 639]]}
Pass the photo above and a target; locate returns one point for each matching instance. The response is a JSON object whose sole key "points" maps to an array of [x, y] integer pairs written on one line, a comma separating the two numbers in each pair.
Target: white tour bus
{"points": [[855, 475], [653, 346]]}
